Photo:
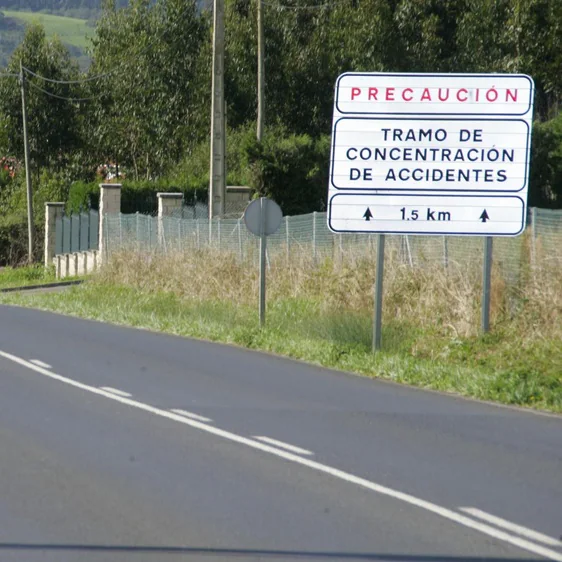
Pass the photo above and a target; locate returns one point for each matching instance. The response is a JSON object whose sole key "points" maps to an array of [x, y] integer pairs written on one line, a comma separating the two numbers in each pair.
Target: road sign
{"points": [[263, 208], [410, 213], [430, 154], [262, 218]]}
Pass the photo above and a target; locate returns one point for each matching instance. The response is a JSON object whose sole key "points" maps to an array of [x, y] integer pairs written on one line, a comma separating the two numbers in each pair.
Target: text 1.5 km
{"points": [[426, 214]]}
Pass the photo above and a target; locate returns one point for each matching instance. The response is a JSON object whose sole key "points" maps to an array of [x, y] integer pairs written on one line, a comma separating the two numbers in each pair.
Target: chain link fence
{"points": [[309, 235]]}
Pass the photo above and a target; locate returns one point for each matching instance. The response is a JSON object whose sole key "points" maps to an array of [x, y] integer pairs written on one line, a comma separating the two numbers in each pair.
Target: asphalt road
{"points": [[125, 445]]}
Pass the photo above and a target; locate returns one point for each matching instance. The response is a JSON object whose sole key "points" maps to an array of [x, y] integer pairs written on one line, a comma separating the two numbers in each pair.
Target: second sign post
{"points": [[262, 218]]}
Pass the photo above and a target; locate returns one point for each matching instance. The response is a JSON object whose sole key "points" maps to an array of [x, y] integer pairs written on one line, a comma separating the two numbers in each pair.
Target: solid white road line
{"points": [[336, 473], [192, 416], [40, 363], [116, 391], [519, 529], [284, 445]]}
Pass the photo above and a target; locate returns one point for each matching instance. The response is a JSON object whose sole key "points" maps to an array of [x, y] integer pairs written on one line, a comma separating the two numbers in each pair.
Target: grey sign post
{"points": [[262, 217]]}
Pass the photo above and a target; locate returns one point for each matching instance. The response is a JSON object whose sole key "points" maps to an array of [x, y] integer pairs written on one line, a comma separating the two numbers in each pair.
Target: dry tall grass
{"points": [[429, 295]]}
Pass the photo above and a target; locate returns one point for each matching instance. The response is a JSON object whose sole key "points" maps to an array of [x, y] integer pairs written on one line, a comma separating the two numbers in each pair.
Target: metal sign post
{"points": [[377, 325], [263, 249], [486, 283], [431, 154], [262, 217]]}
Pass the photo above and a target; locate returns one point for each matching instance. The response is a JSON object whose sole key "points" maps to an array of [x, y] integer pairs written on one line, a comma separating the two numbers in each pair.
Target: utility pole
{"points": [[30, 225], [217, 187], [261, 72]]}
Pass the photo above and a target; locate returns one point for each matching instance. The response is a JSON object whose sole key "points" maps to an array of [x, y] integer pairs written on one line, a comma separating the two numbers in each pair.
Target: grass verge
{"points": [[25, 276], [511, 365]]}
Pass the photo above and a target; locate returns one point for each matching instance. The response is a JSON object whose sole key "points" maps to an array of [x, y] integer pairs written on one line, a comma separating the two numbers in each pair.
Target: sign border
{"points": [[434, 75], [426, 233], [424, 190]]}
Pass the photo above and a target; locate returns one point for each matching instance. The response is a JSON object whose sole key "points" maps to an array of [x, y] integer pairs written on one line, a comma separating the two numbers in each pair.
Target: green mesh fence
{"points": [[309, 235]]}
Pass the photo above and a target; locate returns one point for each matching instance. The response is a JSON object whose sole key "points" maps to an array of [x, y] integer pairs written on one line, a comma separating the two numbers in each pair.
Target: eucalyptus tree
{"points": [[308, 43], [52, 117], [149, 106]]}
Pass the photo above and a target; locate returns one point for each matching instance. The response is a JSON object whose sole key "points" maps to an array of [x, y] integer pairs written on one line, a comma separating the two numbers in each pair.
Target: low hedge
{"points": [[14, 241], [139, 196]]}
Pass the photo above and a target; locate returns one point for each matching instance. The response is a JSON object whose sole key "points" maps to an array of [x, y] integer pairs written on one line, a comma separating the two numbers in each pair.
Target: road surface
{"points": [[124, 445]]}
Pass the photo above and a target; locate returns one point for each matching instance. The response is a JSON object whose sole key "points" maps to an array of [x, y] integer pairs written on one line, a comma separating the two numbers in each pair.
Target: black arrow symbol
{"points": [[484, 216], [368, 215]]}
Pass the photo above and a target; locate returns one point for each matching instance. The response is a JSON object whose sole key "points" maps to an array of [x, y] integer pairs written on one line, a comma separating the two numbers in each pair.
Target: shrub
{"points": [[545, 189], [291, 169], [82, 195], [13, 241], [193, 171], [136, 196]]}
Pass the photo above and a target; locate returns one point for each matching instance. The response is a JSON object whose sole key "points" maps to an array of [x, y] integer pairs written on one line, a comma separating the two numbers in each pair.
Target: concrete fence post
{"points": [[169, 205], [110, 204], [52, 212]]}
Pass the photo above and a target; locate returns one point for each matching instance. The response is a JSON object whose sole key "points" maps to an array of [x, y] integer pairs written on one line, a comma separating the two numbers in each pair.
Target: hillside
{"points": [[73, 32], [83, 9]]}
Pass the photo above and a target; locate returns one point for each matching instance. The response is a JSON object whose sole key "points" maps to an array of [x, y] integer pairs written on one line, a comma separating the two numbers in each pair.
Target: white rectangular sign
{"points": [[410, 136], [409, 213], [446, 154]]}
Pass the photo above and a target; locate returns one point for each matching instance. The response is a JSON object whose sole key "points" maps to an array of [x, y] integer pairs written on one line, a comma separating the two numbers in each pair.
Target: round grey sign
{"points": [[266, 210]]}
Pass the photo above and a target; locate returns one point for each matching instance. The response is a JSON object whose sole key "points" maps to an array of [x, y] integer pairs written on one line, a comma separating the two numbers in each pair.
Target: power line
{"points": [[89, 79], [61, 97], [95, 77]]}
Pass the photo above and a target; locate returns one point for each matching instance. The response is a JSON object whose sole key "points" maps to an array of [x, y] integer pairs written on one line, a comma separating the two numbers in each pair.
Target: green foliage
{"points": [[25, 276], [82, 195], [13, 243], [291, 169], [427, 33], [153, 108], [52, 122], [515, 36], [151, 115], [49, 186], [192, 172], [71, 31], [136, 196], [13, 240], [305, 51], [546, 164], [11, 34], [298, 328], [140, 196]]}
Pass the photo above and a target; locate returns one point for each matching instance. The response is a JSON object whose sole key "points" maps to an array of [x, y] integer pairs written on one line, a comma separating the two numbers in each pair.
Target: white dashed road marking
{"points": [[284, 445], [444, 512], [116, 391], [514, 527], [40, 363], [192, 416]]}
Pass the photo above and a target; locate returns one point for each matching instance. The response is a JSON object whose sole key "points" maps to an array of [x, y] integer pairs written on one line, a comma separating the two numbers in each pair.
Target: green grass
{"points": [[70, 30], [25, 276], [505, 366]]}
